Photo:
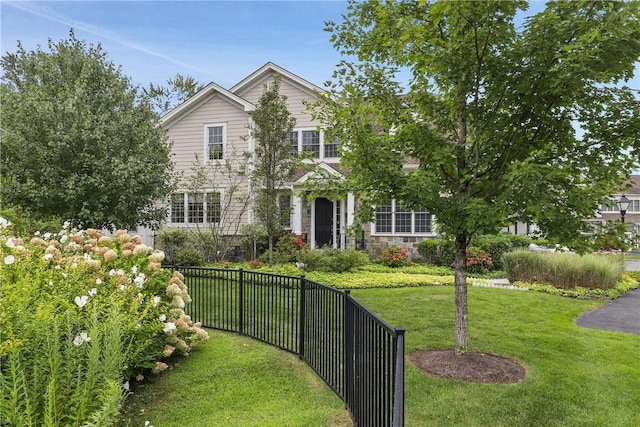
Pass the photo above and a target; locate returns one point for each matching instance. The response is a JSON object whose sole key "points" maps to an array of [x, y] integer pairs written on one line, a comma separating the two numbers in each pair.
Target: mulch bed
{"points": [[472, 366]]}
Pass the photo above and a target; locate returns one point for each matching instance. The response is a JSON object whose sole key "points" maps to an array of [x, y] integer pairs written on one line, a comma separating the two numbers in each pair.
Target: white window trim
{"points": [[185, 194], [321, 154], [393, 232], [205, 148]]}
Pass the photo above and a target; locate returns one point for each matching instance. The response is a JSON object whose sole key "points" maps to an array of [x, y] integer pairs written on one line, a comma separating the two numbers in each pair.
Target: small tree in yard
{"points": [[78, 142], [224, 209], [488, 118], [274, 163]]}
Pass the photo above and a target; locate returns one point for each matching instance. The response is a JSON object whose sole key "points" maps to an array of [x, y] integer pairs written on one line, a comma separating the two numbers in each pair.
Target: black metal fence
{"points": [[355, 352]]}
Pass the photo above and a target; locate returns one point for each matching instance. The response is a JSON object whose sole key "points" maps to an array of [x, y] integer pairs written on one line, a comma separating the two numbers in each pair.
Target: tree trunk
{"points": [[462, 332]]}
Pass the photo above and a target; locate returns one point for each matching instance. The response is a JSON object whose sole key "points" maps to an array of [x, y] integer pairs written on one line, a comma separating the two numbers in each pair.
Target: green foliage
{"points": [[478, 261], [429, 251], [289, 247], [273, 162], [77, 141], [395, 256], [497, 245], [563, 270], [625, 284], [610, 236], [172, 241], [189, 257], [333, 259], [80, 312], [177, 90]]}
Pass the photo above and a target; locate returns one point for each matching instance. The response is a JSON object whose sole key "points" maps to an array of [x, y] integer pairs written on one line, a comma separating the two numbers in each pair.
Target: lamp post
{"points": [[623, 205]]}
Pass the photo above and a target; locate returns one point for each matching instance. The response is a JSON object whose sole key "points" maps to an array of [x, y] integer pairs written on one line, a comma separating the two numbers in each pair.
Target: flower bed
{"points": [[82, 313]]}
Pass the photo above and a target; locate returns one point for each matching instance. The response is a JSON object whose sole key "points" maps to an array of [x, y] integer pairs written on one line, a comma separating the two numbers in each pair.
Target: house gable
{"points": [[201, 98]]}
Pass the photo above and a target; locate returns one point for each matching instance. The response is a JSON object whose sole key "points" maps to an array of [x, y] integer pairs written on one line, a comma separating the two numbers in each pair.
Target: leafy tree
{"points": [[177, 90], [76, 140], [489, 115], [274, 163]]}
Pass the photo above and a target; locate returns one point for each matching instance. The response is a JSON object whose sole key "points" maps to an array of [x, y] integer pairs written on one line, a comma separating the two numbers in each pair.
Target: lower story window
{"points": [[393, 218], [284, 206], [195, 208]]}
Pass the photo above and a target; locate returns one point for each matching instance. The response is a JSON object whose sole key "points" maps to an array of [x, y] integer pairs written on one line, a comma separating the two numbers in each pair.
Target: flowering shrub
{"points": [[80, 311], [395, 256], [290, 246], [256, 263], [477, 261]]}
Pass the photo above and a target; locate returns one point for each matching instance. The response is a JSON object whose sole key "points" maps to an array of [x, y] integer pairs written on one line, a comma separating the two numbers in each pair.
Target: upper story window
{"points": [[392, 218], [311, 142], [293, 141], [195, 208], [612, 206], [215, 140], [314, 142]]}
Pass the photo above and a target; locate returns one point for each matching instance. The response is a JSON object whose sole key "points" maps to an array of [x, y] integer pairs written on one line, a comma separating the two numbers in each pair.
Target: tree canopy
{"points": [[488, 120], [77, 141]]}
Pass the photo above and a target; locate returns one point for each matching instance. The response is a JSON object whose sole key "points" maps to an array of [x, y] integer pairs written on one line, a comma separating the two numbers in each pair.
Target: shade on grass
{"points": [[236, 381]]}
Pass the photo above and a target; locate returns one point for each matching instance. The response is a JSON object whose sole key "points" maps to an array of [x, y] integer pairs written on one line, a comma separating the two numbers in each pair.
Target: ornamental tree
{"points": [[77, 141], [273, 162], [488, 120]]}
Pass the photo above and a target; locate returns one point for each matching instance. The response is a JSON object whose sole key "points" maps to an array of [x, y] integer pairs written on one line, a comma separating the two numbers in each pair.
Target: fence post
{"points": [[398, 392], [241, 301], [302, 314], [348, 350]]}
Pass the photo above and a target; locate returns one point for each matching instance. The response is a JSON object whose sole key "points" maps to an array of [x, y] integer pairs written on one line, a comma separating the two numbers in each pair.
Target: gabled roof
{"points": [[200, 98], [302, 174], [257, 77]]}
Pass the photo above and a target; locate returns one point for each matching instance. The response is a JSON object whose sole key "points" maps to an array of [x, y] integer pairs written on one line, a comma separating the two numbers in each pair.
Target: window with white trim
{"points": [[284, 207], [393, 218], [215, 136], [612, 206], [311, 142], [196, 208], [314, 141]]}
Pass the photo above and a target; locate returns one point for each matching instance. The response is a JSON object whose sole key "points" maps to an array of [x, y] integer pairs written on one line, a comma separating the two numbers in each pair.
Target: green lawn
{"points": [[236, 381], [575, 376]]}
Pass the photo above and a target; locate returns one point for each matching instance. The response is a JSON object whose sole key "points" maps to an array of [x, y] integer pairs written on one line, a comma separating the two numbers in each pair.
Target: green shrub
{"points": [[447, 252], [289, 246], [563, 270], [333, 259], [172, 241], [496, 245], [82, 312], [428, 249], [190, 257], [478, 261]]}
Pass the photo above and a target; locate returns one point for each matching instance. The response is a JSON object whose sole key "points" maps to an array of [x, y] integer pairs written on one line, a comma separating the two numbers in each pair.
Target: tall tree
{"points": [[77, 141], [489, 115], [177, 90], [273, 163]]}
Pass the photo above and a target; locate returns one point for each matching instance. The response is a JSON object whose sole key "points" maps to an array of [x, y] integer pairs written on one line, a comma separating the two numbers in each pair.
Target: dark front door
{"points": [[323, 222]]}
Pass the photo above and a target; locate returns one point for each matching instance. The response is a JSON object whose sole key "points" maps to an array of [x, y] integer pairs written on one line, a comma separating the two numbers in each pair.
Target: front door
{"points": [[323, 222]]}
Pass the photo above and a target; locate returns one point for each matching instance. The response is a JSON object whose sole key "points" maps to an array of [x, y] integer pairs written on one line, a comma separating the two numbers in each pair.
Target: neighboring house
{"points": [[611, 211], [214, 125]]}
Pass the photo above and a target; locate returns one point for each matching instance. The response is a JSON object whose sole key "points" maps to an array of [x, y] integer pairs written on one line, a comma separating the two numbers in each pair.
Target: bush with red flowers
{"points": [[395, 256]]}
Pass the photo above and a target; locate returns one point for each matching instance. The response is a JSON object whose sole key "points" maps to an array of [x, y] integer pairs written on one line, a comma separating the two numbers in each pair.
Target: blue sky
{"points": [[209, 40], [220, 41]]}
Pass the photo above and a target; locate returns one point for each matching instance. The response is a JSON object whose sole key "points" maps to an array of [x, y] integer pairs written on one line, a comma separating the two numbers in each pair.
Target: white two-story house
{"points": [[214, 125]]}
